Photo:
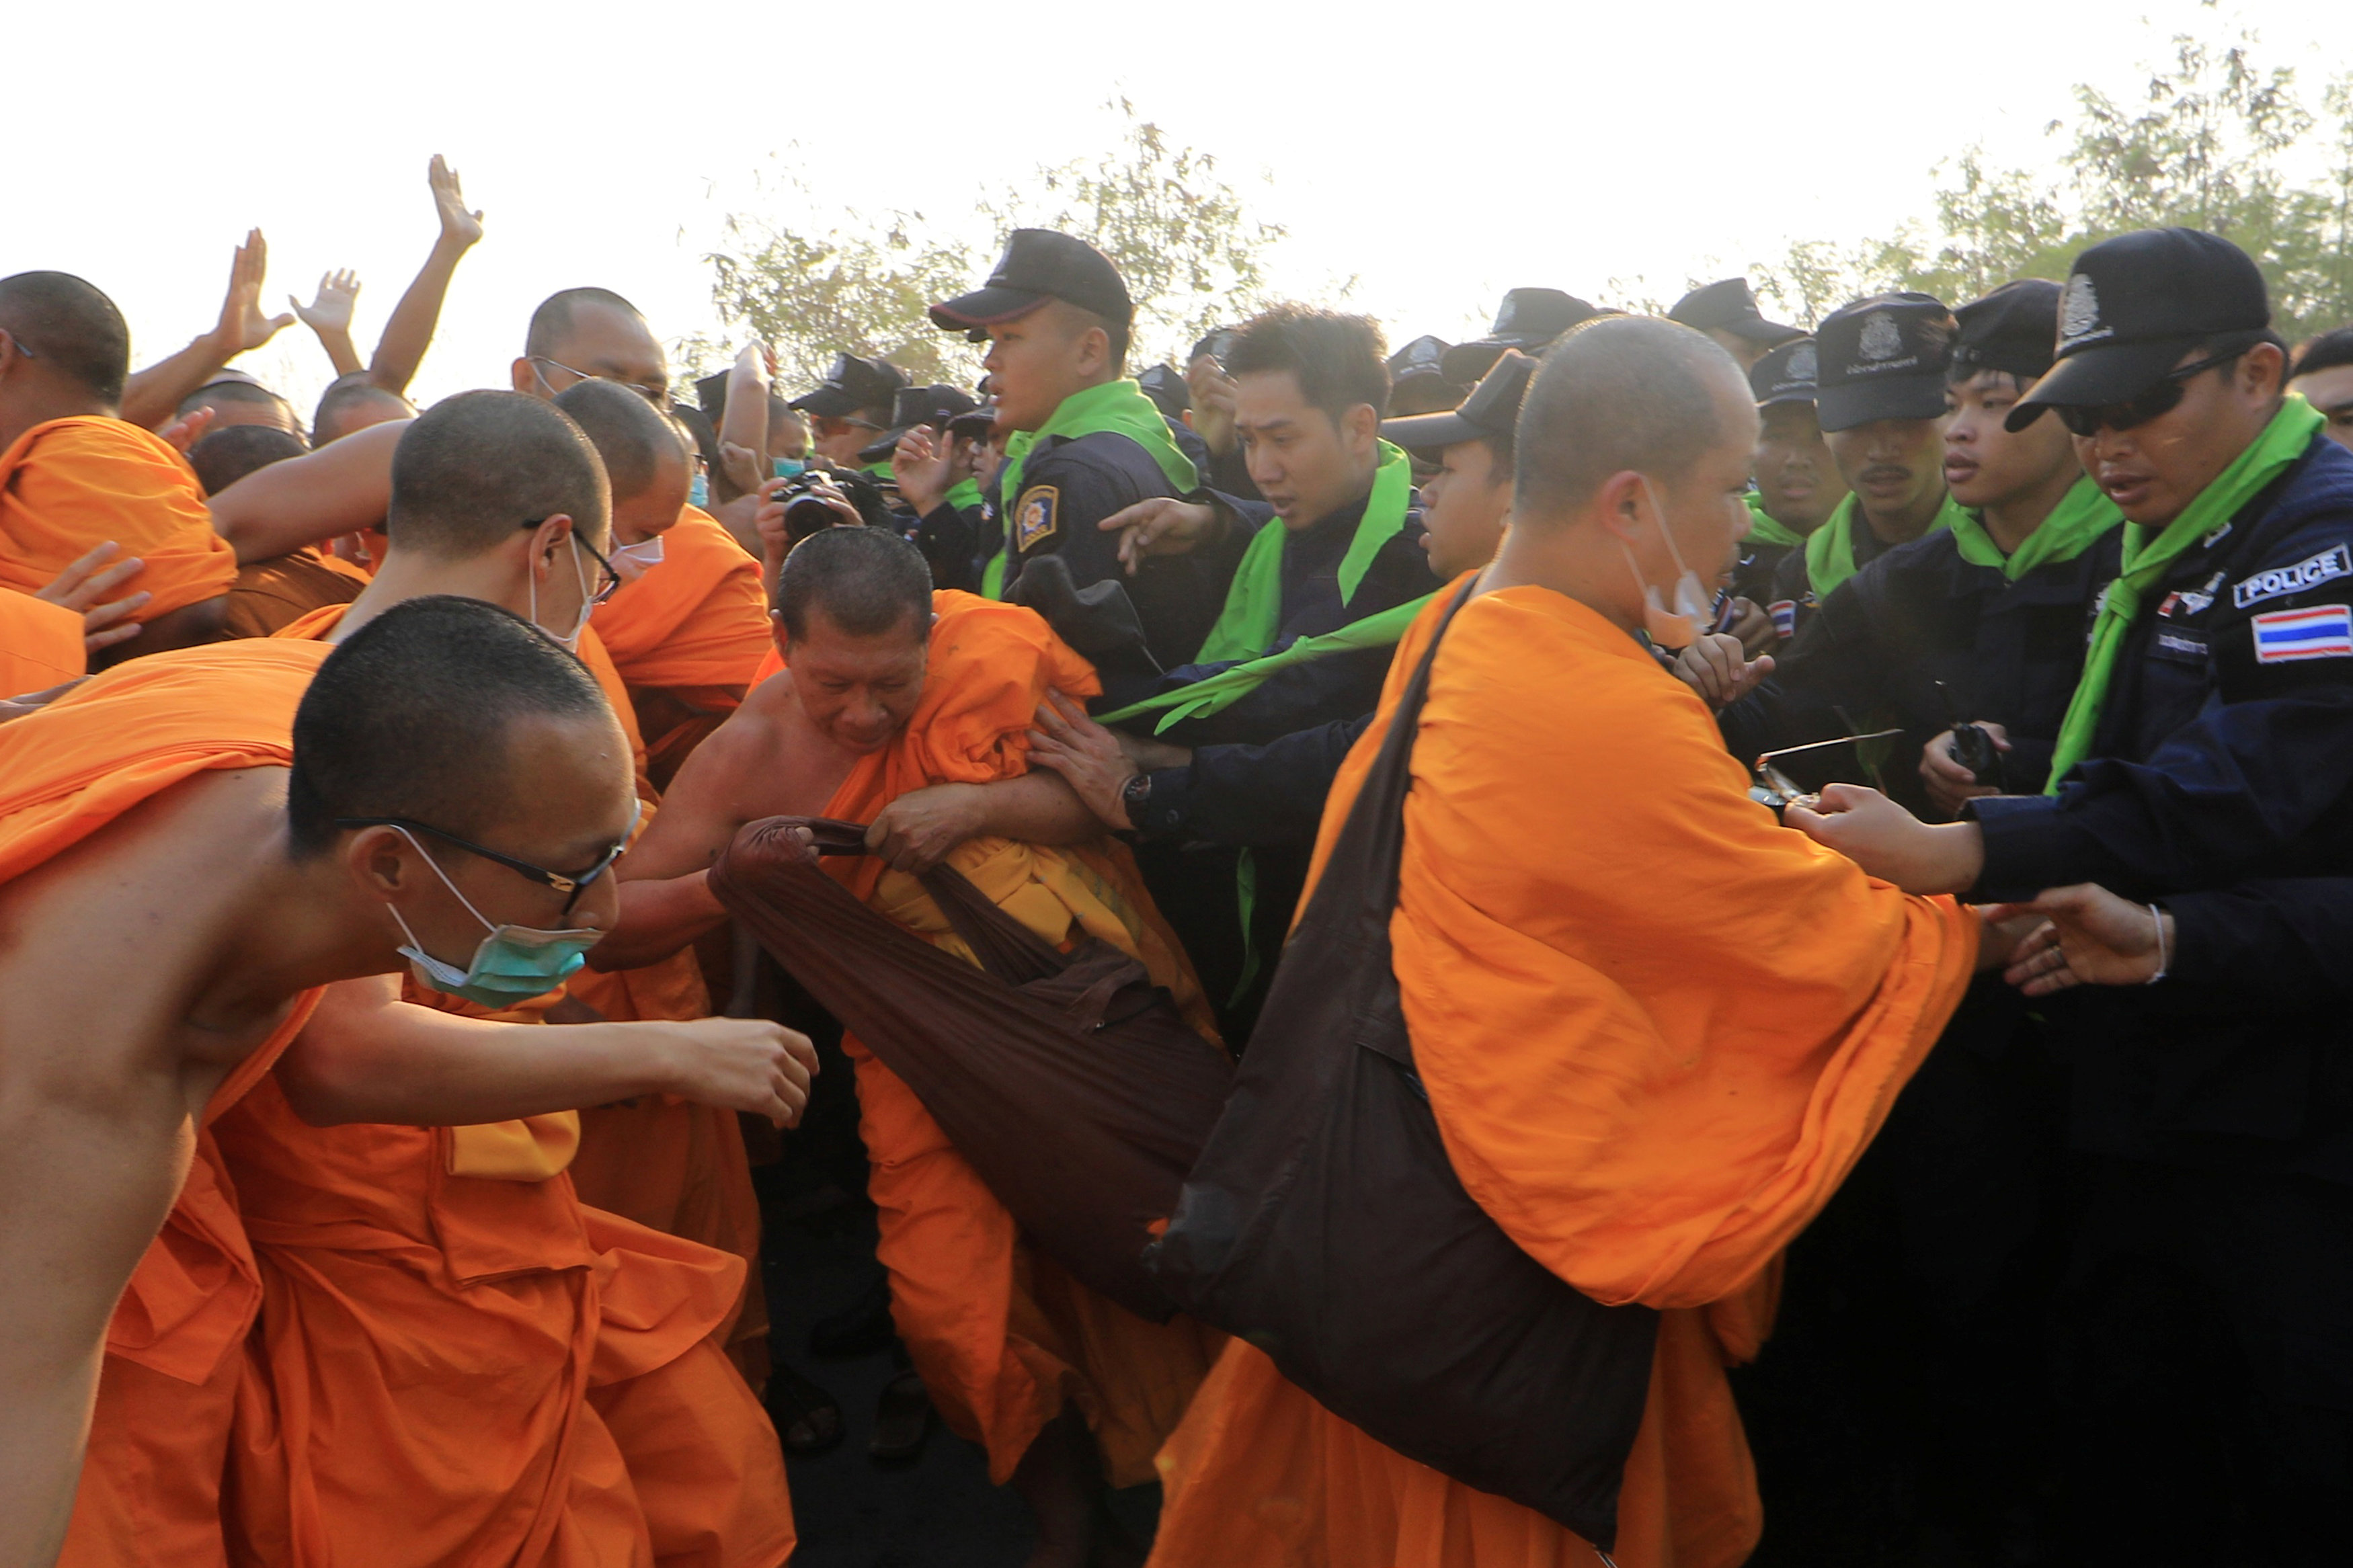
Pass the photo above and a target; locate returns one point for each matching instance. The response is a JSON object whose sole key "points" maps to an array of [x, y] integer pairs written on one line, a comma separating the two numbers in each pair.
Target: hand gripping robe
{"points": [[151, 1484], [686, 637], [69, 485], [1002, 1336], [1656, 1030]]}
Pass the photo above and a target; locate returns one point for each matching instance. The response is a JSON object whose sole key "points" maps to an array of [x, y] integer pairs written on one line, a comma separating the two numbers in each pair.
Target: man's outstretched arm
{"points": [[409, 330], [152, 395], [341, 488]]}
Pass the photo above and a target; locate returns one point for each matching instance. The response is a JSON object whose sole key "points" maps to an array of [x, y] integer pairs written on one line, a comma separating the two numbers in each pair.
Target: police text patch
{"points": [[2323, 631], [2333, 563], [1037, 516]]}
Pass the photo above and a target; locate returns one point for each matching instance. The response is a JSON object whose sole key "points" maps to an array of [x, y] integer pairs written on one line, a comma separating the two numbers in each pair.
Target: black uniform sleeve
{"points": [[949, 538], [2282, 941], [1834, 662], [1264, 797]]}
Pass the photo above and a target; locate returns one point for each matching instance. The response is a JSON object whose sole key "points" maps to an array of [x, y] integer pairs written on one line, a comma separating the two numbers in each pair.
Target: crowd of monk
{"points": [[379, 1034]]}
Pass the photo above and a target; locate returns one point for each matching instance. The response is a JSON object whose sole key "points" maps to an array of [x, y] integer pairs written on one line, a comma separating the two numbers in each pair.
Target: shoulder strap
{"points": [[1375, 833]]}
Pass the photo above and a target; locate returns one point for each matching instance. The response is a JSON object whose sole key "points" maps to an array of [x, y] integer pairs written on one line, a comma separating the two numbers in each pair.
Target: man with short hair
{"points": [[2208, 741], [851, 408], [590, 334], [74, 475], [235, 399], [2323, 373], [1880, 400], [352, 403], [1727, 311], [224, 456], [1750, 1055], [1798, 481]]}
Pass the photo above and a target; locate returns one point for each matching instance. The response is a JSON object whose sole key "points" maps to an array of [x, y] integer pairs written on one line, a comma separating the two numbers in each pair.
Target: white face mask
{"points": [[1689, 620], [631, 562], [569, 639]]}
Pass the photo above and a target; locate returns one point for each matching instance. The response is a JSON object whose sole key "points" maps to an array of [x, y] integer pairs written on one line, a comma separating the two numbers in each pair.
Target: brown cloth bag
{"points": [[1326, 1225], [1067, 1079]]}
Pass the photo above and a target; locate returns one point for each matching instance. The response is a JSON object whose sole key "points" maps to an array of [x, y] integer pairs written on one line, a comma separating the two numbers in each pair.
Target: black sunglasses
{"points": [[572, 885], [2161, 399]]}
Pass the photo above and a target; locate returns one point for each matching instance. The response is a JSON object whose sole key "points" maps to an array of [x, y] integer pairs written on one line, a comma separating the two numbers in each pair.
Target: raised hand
{"points": [[1162, 525], [243, 328], [459, 226], [332, 311], [187, 429]]}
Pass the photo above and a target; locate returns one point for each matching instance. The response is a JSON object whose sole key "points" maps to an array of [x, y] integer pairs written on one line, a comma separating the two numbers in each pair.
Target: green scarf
{"points": [[2074, 525], [1829, 549], [1227, 687], [1246, 628], [1117, 406], [2283, 440], [1764, 530], [881, 472], [964, 495]]}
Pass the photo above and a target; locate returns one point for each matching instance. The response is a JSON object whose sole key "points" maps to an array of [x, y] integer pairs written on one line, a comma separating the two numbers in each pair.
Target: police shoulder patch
{"points": [[1036, 516]]}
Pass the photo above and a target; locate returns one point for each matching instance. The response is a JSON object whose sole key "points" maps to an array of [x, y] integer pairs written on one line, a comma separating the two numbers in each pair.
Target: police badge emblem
{"points": [[2079, 309], [1881, 339]]}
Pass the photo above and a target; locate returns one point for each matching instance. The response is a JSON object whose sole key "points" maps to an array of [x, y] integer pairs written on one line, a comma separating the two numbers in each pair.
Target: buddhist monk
{"points": [[73, 475], [1655, 1027], [236, 400], [155, 800], [909, 710]]}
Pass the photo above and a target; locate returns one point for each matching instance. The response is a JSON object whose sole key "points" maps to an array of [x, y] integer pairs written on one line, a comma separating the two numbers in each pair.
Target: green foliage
{"points": [[1192, 255], [2212, 142]]}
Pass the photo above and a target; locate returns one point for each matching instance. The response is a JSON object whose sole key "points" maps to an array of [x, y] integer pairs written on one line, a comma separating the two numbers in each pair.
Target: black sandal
{"points": [[808, 1419], [902, 1421]]}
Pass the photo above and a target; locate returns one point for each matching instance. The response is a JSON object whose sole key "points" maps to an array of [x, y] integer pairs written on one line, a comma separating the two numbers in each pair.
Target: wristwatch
{"points": [[1132, 796]]}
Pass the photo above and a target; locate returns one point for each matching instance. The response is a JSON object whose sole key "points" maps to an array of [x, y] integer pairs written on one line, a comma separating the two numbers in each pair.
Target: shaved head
{"points": [[557, 318], [1620, 392], [227, 456], [240, 402], [410, 716], [634, 438], [70, 327], [353, 403], [869, 582], [476, 468]]}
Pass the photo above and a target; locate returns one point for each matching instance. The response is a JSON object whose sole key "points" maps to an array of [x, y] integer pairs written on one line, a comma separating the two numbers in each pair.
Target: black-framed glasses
{"points": [[2158, 400], [572, 885], [606, 585], [657, 396]]}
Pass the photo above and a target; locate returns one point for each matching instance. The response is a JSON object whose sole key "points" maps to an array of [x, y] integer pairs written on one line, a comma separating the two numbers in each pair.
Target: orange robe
{"points": [[150, 1483], [1002, 1336], [686, 637], [658, 1160], [40, 644], [1657, 1030], [69, 485]]}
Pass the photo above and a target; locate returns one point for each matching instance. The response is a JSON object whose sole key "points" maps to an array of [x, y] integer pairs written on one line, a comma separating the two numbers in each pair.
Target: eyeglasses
{"points": [[571, 886], [608, 585], [657, 396], [2161, 399]]}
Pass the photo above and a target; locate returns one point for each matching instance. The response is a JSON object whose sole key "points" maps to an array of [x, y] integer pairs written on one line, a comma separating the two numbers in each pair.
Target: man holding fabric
{"points": [[2210, 740], [1880, 397], [1082, 440]]}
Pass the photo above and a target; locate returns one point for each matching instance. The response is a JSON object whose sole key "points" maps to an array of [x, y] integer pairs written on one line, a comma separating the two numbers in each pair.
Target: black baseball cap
{"points": [[1730, 306], [853, 385], [1786, 374], [917, 406], [1167, 390], [2012, 329], [2133, 305], [1527, 319], [1040, 264], [1491, 409], [1883, 357]]}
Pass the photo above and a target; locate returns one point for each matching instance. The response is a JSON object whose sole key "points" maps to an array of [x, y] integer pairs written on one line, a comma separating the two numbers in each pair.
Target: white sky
{"points": [[1438, 155]]}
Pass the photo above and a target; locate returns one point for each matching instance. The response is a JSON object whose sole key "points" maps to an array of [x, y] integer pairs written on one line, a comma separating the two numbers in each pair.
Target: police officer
{"points": [[1528, 319], [2211, 1318], [851, 406], [1727, 312], [938, 501], [1082, 441], [1797, 480]]}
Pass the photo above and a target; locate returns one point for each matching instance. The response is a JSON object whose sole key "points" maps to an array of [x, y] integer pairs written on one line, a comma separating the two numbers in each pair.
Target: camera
{"points": [[805, 513]]}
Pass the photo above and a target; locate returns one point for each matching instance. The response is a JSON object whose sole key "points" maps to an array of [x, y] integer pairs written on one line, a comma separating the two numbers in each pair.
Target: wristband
{"points": [[2163, 962]]}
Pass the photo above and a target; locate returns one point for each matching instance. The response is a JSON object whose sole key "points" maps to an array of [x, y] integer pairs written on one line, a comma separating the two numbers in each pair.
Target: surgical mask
{"points": [[512, 963], [572, 638], [787, 466], [1686, 622], [698, 490], [631, 562]]}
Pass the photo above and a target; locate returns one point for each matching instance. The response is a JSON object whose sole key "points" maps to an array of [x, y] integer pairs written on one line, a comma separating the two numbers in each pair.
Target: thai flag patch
{"points": [[2325, 631], [1785, 616]]}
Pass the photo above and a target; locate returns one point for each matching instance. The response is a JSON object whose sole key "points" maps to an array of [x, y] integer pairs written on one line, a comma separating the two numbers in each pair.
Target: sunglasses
{"points": [[2161, 399]]}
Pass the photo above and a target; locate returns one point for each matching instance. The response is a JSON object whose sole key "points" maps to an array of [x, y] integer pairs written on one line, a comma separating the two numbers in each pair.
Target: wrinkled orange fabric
{"points": [[1002, 1336], [274, 594], [152, 1480], [686, 636], [69, 485], [1656, 1030], [443, 1369], [40, 644]]}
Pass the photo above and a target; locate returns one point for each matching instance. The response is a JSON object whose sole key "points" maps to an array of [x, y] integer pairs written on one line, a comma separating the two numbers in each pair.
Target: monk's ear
{"points": [[1620, 504], [379, 862], [524, 376], [550, 535]]}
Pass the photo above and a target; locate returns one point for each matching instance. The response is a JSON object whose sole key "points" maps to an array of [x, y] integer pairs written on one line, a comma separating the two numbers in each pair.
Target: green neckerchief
{"points": [[2283, 440], [1764, 530], [1117, 406], [1829, 549], [1246, 627], [964, 495], [1222, 690], [2074, 525], [880, 471]]}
